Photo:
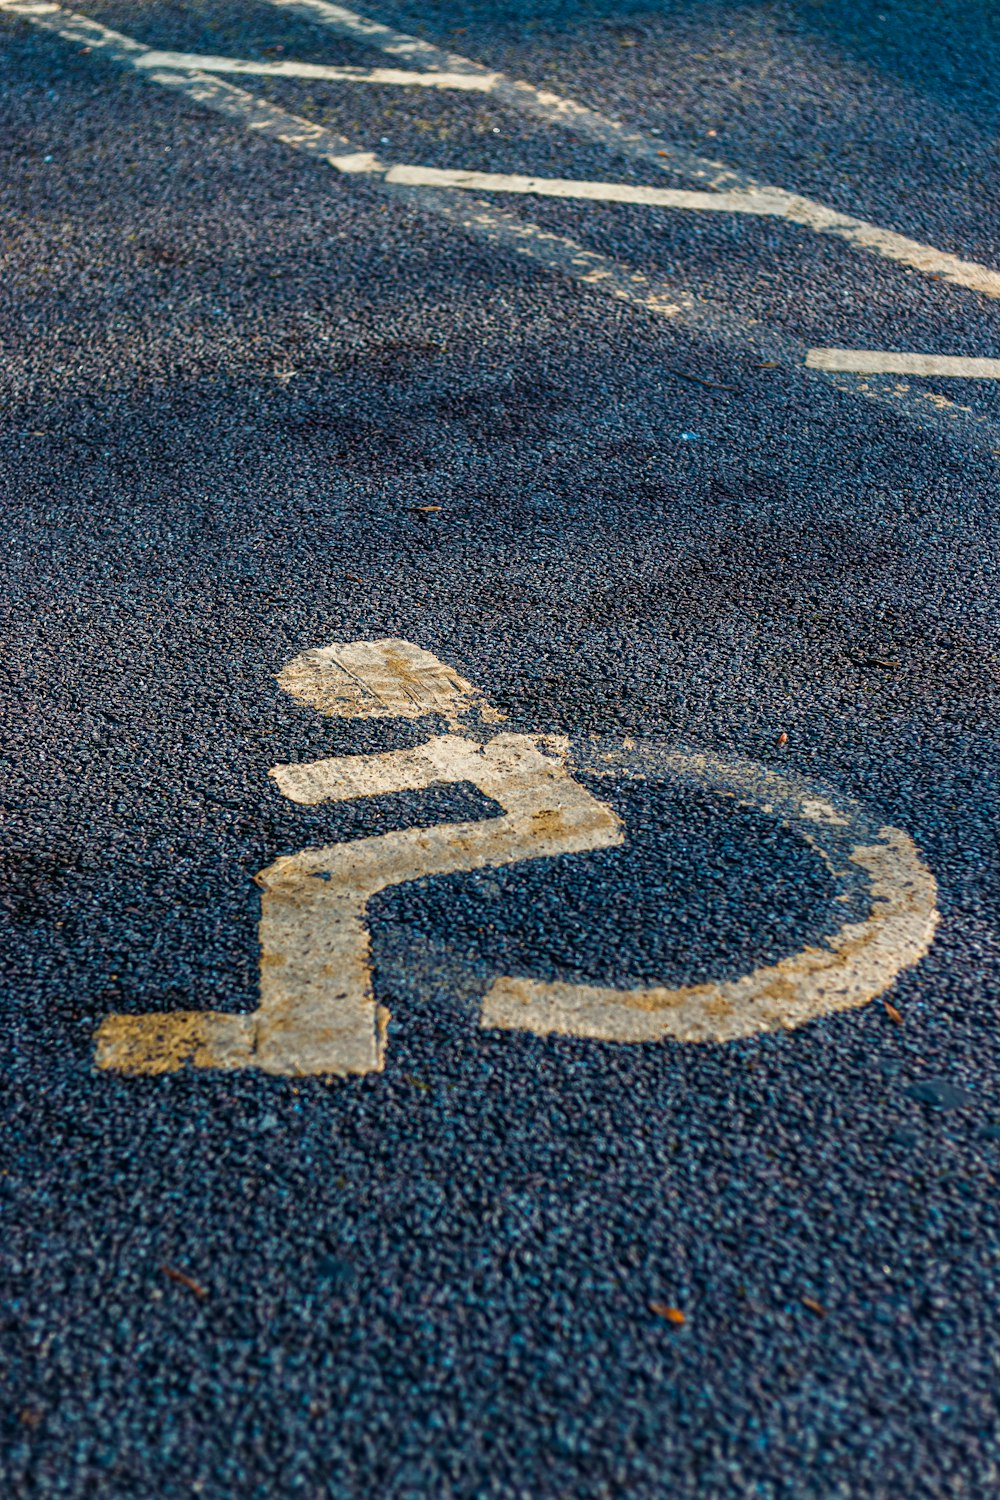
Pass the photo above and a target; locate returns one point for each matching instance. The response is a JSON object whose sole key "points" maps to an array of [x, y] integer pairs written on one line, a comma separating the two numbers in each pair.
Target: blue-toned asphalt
{"points": [[229, 376]]}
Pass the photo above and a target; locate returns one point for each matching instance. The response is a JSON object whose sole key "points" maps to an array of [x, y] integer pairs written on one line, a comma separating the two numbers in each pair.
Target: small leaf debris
{"points": [[876, 661], [183, 1279], [895, 1016], [672, 1314], [711, 385], [814, 1306], [782, 738], [423, 510]]}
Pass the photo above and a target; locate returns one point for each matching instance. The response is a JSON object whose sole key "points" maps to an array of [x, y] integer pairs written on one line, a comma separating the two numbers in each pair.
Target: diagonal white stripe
{"points": [[400, 77], [555, 109], [887, 362], [656, 295]]}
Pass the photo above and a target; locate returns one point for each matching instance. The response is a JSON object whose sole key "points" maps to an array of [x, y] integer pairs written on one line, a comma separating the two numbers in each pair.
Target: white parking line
{"points": [[632, 144], [400, 77], [556, 110], [599, 192], [887, 362], [658, 295]]}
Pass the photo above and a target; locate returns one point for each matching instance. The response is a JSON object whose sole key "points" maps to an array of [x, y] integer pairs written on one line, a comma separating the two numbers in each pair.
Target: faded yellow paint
{"points": [[318, 1013], [165, 1043], [385, 679], [858, 963]]}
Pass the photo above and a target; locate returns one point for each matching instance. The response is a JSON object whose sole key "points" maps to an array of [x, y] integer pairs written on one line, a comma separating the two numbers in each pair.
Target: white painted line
{"points": [[660, 296], [887, 362], [666, 298], [400, 77], [318, 1012], [175, 69], [557, 110], [567, 187]]}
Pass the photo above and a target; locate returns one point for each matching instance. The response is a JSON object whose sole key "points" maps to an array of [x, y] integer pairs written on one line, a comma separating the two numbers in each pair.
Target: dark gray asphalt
{"points": [[229, 375]]}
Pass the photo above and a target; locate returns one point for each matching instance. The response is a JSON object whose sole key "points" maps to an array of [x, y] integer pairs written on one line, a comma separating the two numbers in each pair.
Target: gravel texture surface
{"points": [[230, 377]]}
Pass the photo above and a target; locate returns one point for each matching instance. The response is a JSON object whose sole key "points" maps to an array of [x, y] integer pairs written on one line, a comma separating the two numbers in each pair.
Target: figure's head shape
{"points": [[388, 679]]}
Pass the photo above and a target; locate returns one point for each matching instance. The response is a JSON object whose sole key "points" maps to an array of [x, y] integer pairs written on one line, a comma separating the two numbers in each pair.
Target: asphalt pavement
{"points": [[262, 394]]}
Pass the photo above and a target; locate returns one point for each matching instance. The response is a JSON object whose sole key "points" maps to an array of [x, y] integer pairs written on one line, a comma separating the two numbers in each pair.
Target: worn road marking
{"points": [[556, 110], [318, 1012], [657, 295], [888, 362], [879, 864], [399, 77], [599, 192], [388, 679]]}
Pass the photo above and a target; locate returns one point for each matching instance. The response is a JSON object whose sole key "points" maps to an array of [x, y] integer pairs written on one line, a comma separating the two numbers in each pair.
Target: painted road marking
{"points": [[318, 1012], [879, 864], [888, 362], [399, 77], [568, 187], [557, 110], [387, 679], [659, 296]]}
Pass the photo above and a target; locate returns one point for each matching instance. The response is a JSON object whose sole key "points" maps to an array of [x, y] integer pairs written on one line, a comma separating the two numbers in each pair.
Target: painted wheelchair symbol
{"points": [[318, 1013]]}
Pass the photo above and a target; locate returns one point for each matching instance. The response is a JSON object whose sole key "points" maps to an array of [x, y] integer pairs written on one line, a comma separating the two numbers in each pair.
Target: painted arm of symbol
{"points": [[343, 778]]}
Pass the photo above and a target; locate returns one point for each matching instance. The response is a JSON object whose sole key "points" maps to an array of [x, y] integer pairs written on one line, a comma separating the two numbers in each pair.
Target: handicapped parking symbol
{"points": [[318, 1013]]}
